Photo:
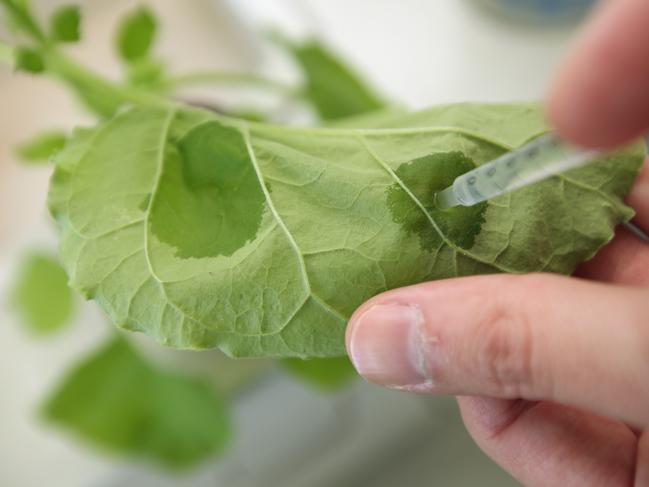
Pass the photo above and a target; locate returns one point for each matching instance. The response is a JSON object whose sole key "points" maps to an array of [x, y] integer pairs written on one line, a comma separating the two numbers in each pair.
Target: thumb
{"points": [[537, 337]]}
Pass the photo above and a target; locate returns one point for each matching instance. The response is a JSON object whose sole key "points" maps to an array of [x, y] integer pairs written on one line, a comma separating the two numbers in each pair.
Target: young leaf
{"points": [[28, 60], [334, 90], [136, 34], [42, 147], [64, 24], [262, 240], [327, 374], [41, 295], [119, 402]]}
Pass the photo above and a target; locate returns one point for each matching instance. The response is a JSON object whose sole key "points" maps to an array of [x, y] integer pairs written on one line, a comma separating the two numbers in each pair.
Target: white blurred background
{"points": [[415, 52]]}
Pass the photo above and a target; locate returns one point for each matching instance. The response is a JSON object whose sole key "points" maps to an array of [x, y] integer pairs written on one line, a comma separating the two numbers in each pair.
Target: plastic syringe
{"points": [[541, 158]]}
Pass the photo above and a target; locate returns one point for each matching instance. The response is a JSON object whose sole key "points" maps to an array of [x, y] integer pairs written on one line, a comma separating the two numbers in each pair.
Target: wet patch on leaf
{"points": [[209, 201], [424, 177]]}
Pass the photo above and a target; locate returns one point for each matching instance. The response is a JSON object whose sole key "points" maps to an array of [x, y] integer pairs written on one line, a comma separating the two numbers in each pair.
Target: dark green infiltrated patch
{"points": [[424, 177], [209, 201]]}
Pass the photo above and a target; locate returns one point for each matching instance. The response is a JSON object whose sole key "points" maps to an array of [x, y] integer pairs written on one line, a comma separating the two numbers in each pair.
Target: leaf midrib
{"points": [[298, 253]]}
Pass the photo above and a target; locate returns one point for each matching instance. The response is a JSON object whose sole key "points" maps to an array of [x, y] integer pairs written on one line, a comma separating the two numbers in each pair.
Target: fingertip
{"points": [[404, 338], [382, 345], [599, 98]]}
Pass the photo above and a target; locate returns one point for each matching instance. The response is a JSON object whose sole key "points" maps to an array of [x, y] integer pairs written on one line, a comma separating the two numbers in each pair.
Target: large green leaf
{"points": [[117, 401], [262, 240]]}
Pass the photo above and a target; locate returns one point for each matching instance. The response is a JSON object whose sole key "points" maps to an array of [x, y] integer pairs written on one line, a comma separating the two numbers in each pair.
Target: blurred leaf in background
{"points": [[64, 24], [41, 295], [327, 374], [135, 35], [28, 60], [332, 87], [117, 401], [42, 147]]}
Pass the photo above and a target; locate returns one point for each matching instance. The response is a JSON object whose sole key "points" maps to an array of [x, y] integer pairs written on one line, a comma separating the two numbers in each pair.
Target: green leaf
{"points": [[41, 295], [119, 402], [42, 147], [136, 34], [64, 24], [334, 90], [29, 60], [328, 374], [204, 231]]}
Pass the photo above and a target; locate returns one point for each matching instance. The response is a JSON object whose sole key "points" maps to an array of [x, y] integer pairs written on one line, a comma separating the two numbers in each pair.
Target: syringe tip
{"points": [[446, 199]]}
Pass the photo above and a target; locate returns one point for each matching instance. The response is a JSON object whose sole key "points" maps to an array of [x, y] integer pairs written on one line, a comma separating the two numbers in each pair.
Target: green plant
{"points": [[89, 401], [205, 230]]}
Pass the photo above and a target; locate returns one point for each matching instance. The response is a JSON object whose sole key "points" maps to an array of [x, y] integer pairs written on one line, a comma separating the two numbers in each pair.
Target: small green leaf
{"points": [[41, 147], [136, 34], [333, 89], [29, 60], [119, 402], [42, 297], [64, 24], [327, 374]]}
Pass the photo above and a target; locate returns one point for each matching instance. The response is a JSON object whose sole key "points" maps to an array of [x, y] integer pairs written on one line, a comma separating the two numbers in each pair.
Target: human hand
{"points": [[553, 372]]}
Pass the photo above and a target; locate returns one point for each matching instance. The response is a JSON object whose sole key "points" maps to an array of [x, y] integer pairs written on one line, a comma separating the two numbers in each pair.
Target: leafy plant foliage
{"points": [[65, 24], [29, 61], [208, 231], [335, 91], [136, 35], [42, 147], [205, 231], [117, 401]]}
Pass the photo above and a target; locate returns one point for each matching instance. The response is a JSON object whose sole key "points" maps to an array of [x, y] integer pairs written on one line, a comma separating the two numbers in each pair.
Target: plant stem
{"points": [[25, 19], [80, 77], [225, 78]]}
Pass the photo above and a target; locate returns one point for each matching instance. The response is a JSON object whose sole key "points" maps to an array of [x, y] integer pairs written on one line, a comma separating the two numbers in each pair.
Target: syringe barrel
{"points": [[541, 158]]}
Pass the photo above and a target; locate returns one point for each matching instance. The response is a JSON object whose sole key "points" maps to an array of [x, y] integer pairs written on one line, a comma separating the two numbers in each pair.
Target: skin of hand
{"points": [[552, 372]]}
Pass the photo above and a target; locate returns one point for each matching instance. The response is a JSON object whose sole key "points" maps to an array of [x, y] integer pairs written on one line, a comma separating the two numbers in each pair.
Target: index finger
{"points": [[601, 97]]}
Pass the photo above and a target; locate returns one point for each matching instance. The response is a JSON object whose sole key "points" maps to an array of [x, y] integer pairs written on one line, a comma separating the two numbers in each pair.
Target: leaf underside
{"points": [[260, 240]]}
